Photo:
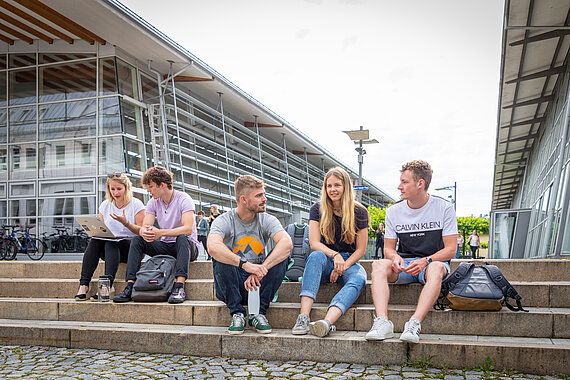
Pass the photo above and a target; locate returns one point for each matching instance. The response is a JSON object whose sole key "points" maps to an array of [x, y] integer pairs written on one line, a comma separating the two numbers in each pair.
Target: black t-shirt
{"points": [[339, 245]]}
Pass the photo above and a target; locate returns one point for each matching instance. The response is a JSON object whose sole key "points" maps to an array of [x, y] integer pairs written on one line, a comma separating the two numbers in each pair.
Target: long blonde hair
{"points": [[123, 180], [348, 222]]}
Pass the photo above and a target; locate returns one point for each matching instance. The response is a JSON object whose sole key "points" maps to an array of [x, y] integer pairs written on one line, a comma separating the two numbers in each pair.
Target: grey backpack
{"points": [[155, 279], [299, 234]]}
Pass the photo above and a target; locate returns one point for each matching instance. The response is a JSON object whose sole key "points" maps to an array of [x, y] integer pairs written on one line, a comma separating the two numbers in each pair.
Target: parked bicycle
{"points": [[14, 242], [62, 241]]}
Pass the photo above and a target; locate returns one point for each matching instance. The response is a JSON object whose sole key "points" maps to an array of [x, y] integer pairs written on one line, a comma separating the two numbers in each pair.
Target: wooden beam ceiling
{"points": [[25, 27], [250, 124]]}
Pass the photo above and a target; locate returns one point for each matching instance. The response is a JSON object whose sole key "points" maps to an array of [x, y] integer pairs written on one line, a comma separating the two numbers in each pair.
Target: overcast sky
{"points": [[422, 76]]}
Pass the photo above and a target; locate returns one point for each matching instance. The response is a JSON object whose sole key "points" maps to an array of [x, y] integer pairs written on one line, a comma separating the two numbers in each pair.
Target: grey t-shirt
{"points": [[248, 240]]}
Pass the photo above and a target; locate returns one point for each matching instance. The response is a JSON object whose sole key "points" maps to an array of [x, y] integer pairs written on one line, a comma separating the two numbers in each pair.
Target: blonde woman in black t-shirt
{"points": [[338, 235]]}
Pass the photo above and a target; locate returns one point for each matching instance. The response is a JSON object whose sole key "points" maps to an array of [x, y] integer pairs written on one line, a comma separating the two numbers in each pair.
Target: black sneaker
{"points": [[125, 296], [178, 294]]}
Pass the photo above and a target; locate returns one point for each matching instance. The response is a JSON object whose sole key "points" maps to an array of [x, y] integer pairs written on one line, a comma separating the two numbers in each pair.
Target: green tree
{"points": [[466, 224], [377, 216]]}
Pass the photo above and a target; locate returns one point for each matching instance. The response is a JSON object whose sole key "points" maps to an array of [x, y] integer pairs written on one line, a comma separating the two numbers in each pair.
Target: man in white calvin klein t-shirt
{"points": [[425, 228]]}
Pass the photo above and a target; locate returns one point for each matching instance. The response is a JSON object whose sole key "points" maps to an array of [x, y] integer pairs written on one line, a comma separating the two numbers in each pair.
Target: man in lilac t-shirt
{"points": [[174, 211]]}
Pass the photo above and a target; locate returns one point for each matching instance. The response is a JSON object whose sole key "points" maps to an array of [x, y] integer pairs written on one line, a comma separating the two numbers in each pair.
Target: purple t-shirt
{"points": [[170, 216]]}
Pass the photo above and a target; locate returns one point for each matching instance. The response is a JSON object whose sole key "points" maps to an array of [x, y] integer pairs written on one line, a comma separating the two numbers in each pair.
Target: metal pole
{"points": [[177, 125], [455, 196], [360, 160], [226, 149], [259, 147]]}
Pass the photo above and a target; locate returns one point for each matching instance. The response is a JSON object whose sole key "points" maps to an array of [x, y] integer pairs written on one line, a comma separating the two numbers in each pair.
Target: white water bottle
{"points": [[253, 301]]}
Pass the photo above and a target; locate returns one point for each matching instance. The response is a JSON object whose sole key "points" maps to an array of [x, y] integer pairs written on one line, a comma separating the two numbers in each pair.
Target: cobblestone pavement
{"points": [[31, 362]]}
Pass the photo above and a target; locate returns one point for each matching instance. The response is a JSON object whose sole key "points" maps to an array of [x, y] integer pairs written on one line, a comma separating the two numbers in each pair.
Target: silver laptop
{"points": [[96, 228]]}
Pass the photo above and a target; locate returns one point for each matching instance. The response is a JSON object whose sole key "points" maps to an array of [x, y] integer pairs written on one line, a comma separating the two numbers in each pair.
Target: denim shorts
{"points": [[405, 278]]}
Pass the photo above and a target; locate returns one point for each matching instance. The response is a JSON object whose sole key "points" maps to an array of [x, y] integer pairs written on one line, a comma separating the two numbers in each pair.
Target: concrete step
{"points": [[513, 270], [537, 323], [528, 355], [534, 294]]}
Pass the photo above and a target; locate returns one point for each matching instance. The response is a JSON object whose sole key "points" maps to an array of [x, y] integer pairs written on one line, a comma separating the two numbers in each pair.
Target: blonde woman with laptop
{"points": [[123, 215]]}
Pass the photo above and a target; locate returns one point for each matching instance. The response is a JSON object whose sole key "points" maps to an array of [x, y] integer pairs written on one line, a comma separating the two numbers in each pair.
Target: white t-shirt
{"points": [[107, 208], [420, 231]]}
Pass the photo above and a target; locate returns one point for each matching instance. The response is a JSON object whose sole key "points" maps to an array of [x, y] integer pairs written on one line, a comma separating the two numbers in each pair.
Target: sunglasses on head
{"points": [[114, 174]]}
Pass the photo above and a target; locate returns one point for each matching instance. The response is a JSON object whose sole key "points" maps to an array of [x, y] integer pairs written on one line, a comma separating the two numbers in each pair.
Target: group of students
{"points": [[419, 241]]}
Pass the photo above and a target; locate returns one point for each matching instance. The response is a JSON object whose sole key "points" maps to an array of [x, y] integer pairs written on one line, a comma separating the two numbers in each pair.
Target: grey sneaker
{"points": [[411, 331], [381, 329], [238, 324], [321, 328], [301, 326]]}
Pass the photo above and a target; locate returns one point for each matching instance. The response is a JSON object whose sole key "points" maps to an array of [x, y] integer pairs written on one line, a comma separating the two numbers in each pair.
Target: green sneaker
{"points": [[260, 323], [238, 324]]}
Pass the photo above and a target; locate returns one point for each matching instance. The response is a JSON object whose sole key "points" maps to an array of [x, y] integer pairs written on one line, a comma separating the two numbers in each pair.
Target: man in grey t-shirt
{"points": [[238, 245]]}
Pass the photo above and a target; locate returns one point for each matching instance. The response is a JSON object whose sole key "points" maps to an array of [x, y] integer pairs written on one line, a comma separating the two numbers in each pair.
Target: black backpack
{"points": [[155, 279], [477, 287], [301, 250]]}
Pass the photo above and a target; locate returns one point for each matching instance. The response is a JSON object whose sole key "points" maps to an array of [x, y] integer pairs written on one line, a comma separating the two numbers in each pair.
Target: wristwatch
{"points": [[241, 262], [429, 260]]}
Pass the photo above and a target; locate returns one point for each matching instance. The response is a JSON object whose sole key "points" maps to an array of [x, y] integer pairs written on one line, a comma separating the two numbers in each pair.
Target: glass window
{"points": [[3, 62], [67, 206], [67, 120], [69, 158], [127, 78], [3, 163], [149, 90], [135, 156], [69, 81], [23, 160], [3, 211], [59, 57], [22, 189], [3, 125], [23, 207], [3, 88], [111, 155], [22, 121], [132, 123], [22, 85], [107, 79], [69, 187], [2, 190], [109, 116], [22, 60]]}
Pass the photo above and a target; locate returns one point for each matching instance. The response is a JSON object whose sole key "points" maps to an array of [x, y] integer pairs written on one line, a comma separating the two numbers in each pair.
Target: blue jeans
{"points": [[405, 278], [318, 271], [228, 283]]}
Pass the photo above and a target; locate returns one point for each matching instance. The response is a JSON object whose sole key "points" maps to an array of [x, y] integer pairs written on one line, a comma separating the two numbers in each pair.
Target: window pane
{"points": [[111, 155], [22, 124], [22, 60], [132, 122], [22, 87], [3, 210], [3, 62], [149, 90], [109, 116], [23, 161], [58, 57], [3, 125], [3, 163], [23, 207], [22, 189], [127, 78], [135, 156], [107, 79], [69, 81], [67, 120], [67, 206], [68, 158], [3, 77], [62, 187]]}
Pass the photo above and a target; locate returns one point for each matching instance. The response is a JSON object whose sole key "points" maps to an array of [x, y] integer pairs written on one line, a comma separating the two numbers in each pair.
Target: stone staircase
{"points": [[36, 307]]}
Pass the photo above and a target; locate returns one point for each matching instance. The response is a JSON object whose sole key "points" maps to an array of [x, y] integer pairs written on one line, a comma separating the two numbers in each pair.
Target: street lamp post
{"points": [[360, 136], [454, 187]]}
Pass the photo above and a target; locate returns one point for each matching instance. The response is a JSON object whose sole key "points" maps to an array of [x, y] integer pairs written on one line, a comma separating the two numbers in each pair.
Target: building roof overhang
{"points": [[536, 41], [110, 22]]}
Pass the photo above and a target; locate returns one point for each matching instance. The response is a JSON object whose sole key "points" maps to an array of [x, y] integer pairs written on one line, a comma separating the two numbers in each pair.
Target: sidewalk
{"points": [[61, 363]]}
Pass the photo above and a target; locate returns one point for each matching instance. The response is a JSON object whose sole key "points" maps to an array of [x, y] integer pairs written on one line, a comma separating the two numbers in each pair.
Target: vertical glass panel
{"points": [[3, 125], [23, 161], [22, 84], [3, 88], [135, 156], [23, 207], [149, 156], [3, 190], [149, 90], [132, 122], [3, 163], [22, 124], [146, 126], [59, 57], [68, 158], [109, 116], [68, 81], [22, 60], [3, 210], [111, 155], [127, 78], [67, 120], [3, 61], [107, 78]]}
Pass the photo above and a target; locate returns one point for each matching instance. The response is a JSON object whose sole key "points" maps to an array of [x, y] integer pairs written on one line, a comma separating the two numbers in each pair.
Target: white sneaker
{"points": [[411, 331], [301, 326], [321, 328], [381, 329]]}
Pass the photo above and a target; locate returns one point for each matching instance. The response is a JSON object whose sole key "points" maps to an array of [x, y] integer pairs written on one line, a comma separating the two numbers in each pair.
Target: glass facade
{"points": [[69, 118]]}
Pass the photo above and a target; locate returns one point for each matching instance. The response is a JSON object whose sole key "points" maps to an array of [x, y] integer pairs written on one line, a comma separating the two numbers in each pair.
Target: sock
{"points": [[178, 285]]}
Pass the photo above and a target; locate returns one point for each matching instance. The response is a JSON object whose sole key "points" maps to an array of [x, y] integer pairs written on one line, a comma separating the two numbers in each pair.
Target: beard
{"points": [[256, 208]]}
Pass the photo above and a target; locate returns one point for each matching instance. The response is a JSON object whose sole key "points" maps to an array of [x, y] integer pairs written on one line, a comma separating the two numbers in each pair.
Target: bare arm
{"points": [[136, 227], [283, 247], [315, 239], [444, 254]]}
